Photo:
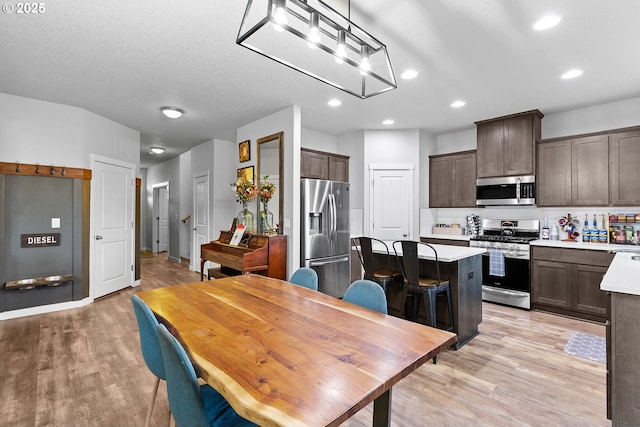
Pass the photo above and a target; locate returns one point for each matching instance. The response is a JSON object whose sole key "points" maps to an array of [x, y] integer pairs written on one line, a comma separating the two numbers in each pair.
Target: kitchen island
{"points": [[623, 339], [462, 266]]}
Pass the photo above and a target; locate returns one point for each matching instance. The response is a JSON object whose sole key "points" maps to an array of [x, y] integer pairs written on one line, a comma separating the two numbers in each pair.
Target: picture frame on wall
{"points": [[244, 151], [246, 173]]}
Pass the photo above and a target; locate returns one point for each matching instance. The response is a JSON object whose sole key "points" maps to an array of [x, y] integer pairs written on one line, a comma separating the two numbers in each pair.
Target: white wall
{"points": [[288, 121], [319, 141]]}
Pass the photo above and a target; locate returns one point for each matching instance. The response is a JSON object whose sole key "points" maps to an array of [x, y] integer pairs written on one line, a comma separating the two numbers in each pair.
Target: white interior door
{"points": [[163, 219], [200, 217], [112, 228], [391, 204]]}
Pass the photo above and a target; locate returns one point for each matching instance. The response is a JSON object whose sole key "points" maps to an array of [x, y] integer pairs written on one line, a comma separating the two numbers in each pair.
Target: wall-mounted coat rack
{"points": [[26, 169]]}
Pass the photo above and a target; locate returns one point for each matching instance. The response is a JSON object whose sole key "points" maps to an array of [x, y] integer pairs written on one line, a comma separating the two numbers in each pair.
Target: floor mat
{"points": [[589, 346]]}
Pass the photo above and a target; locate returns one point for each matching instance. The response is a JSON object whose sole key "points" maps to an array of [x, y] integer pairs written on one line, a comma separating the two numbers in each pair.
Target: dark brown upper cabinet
{"points": [[624, 167], [321, 165], [506, 145], [452, 180], [598, 169]]}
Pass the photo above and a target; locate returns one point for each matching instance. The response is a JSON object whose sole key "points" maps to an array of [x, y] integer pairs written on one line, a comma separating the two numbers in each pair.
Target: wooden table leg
{"points": [[202, 261], [382, 410]]}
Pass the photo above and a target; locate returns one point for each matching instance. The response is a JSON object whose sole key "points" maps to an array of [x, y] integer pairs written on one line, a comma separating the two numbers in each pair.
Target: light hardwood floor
{"points": [[83, 367]]}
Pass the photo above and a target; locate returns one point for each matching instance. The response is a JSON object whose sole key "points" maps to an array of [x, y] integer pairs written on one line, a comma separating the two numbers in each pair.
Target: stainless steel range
{"points": [[505, 267]]}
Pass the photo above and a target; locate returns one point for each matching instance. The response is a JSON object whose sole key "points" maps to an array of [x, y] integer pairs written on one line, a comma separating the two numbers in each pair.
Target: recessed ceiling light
{"points": [[157, 150], [571, 74], [172, 112], [335, 103], [388, 122], [409, 74], [458, 104], [547, 22]]}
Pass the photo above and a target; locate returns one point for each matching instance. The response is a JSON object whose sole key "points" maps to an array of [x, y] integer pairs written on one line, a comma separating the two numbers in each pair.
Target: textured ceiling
{"points": [[125, 59]]}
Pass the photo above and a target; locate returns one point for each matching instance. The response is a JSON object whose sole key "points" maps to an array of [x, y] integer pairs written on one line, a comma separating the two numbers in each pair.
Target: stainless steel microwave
{"points": [[506, 191]]}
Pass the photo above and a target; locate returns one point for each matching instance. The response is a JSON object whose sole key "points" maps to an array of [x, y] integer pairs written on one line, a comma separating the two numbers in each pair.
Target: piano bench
{"points": [[221, 272]]}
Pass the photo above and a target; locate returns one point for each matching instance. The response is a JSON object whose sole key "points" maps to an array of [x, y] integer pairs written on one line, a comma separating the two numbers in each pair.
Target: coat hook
{"points": [[17, 166], [64, 172], [37, 167], [51, 169]]}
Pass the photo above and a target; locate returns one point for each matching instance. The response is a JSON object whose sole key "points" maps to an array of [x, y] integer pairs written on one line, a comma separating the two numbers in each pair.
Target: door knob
{"points": [[98, 237], [195, 229], [405, 235]]}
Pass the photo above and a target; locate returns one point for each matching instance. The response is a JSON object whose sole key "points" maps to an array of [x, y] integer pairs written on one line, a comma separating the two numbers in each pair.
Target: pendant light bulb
{"points": [[365, 65], [341, 50], [313, 39], [279, 16]]}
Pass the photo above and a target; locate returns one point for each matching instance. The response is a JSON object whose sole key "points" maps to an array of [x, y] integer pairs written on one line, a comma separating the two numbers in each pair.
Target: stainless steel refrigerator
{"points": [[325, 242]]}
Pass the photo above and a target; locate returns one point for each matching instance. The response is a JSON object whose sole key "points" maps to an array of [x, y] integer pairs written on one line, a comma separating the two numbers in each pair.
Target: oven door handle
{"points": [[504, 292]]}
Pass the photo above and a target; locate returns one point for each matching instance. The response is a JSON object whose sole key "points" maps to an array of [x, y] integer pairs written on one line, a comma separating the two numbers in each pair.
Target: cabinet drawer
{"points": [[572, 256]]}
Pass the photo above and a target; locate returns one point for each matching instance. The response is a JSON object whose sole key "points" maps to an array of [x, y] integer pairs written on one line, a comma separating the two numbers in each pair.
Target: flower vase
{"points": [[266, 219], [245, 217]]}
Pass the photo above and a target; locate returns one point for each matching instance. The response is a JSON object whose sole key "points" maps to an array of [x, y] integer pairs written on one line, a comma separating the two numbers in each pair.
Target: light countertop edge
{"points": [[623, 275], [446, 236], [446, 253], [586, 245]]}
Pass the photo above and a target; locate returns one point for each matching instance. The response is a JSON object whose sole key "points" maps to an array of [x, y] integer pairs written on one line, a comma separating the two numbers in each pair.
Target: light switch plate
{"points": [[55, 222]]}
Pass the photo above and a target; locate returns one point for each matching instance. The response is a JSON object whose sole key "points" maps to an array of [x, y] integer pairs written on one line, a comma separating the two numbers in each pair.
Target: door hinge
{"points": [[131, 267]]}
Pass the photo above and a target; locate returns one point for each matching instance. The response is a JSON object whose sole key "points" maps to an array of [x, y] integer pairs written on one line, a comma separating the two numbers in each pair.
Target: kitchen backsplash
{"points": [[429, 217]]}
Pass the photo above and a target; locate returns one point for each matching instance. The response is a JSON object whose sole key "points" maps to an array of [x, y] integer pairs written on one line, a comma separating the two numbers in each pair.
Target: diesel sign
{"points": [[40, 240]]}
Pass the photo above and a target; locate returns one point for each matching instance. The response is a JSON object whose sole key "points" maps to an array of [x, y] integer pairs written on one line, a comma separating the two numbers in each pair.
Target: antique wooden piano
{"points": [[256, 253]]}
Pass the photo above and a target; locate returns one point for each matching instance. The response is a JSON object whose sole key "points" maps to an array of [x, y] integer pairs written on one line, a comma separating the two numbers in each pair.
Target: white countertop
{"points": [[446, 253], [586, 245], [446, 236], [623, 275]]}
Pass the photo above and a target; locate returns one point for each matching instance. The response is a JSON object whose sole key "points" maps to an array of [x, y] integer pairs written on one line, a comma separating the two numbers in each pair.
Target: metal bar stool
{"points": [[417, 286]]}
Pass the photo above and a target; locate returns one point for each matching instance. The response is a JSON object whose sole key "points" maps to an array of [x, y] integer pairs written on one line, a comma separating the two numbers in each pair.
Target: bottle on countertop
{"points": [[545, 229], [555, 234], [586, 232]]}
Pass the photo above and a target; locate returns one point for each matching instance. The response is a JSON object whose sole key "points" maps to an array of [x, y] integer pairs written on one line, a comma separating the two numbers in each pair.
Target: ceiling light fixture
{"points": [[572, 74], [335, 103], [458, 104], [172, 112], [409, 74], [388, 122], [546, 22], [157, 150], [345, 56]]}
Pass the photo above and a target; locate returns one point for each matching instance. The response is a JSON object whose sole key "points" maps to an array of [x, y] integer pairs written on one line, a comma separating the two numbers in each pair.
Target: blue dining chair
{"points": [[192, 404], [148, 328], [305, 276], [367, 294]]}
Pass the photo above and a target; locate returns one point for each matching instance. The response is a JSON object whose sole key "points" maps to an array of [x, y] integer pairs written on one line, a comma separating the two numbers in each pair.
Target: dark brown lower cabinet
{"points": [[567, 281], [623, 359]]}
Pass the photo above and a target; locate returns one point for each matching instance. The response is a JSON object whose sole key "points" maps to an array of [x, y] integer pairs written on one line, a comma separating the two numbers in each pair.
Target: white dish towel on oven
{"points": [[496, 263]]}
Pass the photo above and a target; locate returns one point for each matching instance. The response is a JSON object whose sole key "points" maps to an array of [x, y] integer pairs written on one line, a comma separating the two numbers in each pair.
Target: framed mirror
{"points": [[270, 181]]}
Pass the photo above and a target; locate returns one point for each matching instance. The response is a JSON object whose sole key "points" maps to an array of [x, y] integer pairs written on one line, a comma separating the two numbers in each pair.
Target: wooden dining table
{"points": [[285, 355]]}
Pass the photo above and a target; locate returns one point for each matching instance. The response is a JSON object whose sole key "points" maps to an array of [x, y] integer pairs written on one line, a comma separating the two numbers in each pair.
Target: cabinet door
{"points": [[440, 182], [554, 173], [490, 149], [464, 180], [586, 294], [518, 146], [338, 168], [551, 283], [624, 168], [314, 165], [590, 171]]}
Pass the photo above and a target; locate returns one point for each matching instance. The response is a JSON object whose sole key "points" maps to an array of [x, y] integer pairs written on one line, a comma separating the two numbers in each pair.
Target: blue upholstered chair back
{"points": [[148, 327], [185, 397], [305, 276], [367, 294]]}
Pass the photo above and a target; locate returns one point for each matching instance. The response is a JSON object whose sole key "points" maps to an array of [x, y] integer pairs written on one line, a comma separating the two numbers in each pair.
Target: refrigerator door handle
{"points": [[335, 214], [333, 261]]}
